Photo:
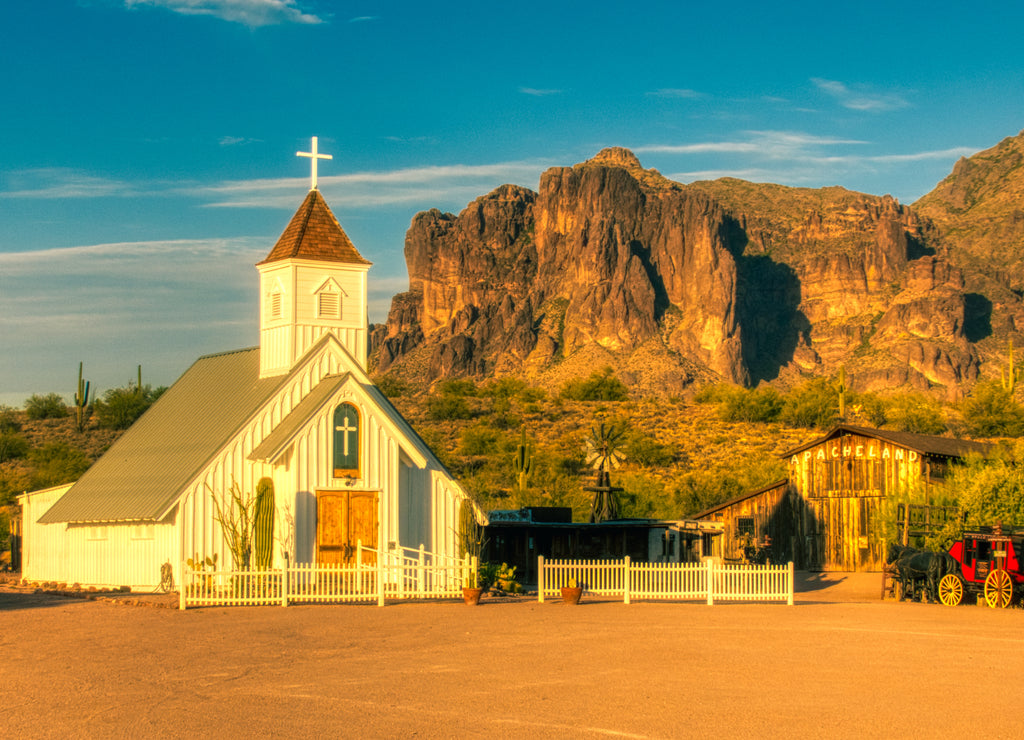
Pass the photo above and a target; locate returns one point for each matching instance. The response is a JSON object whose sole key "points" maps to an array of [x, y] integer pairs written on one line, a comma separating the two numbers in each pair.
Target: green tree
{"points": [[55, 464], [12, 446], [602, 385], [915, 412], [812, 404], [991, 491], [49, 406], [9, 420], [121, 407], [991, 411]]}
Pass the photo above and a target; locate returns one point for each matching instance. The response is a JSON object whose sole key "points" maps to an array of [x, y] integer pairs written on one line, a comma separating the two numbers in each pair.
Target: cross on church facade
{"points": [[346, 430], [313, 156]]}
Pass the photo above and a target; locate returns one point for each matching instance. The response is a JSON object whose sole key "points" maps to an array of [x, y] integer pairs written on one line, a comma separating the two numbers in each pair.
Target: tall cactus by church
{"points": [[263, 524]]}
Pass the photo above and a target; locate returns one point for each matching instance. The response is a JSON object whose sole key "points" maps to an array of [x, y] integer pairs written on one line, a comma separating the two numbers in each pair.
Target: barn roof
{"points": [[314, 233], [927, 444], [144, 471], [742, 497]]}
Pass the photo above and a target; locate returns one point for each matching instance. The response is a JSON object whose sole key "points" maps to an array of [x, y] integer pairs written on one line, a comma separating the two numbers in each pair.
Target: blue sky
{"points": [[147, 146]]}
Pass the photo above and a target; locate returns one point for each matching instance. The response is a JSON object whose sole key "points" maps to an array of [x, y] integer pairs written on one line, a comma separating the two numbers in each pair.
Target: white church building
{"points": [[299, 409]]}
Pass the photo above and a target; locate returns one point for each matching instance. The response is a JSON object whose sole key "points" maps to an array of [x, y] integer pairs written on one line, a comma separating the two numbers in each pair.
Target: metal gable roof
{"points": [[924, 443], [143, 473], [275, 443]]}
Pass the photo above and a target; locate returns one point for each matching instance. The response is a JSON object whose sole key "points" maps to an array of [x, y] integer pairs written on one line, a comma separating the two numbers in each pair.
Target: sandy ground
{"points": [[839, 663]]}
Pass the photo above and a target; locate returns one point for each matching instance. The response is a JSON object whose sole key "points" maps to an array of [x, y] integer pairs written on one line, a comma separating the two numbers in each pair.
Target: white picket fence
{"points": [[683, 581], [401, 573]]}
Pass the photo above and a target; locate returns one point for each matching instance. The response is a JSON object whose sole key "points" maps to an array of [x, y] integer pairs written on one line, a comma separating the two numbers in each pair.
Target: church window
{"points": [[346, 441], [328, 305]]}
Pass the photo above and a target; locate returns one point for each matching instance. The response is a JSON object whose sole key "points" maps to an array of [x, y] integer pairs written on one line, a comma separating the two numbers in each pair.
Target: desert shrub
{"points": [[12, 446], [50, 406], [479, 440], [457, 387], [391, 386], [742, 404], [645, 450], [448, 407], [915, 412], [9, 420], [991, 490], [873, 408], [701, 488], [602, 385], [714, 394], [56, 463], [991, 411], [814, 404], [121, 407]]}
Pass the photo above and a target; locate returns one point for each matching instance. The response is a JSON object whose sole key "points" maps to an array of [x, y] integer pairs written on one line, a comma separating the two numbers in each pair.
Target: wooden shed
{"points": [[829, 514]]}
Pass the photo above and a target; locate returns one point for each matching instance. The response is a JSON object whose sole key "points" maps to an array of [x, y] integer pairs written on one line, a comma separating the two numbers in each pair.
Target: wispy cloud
{"points": [[860, 97], [538, 92], [676, 92], [122, 305], [442, 185], [62, 182], [236, 141], [363, 18], [252, 13], [792, 158]]}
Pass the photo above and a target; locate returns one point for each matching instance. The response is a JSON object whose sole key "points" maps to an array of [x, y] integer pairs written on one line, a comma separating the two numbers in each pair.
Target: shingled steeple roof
{"points": [[315, 234]]}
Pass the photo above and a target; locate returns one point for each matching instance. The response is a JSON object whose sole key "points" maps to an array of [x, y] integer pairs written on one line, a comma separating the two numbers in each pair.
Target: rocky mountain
{"points": [[609, 263]]}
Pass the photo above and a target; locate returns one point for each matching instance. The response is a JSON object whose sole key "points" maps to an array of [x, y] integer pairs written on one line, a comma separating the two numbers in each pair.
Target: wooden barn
{"points": [[829, 514]]}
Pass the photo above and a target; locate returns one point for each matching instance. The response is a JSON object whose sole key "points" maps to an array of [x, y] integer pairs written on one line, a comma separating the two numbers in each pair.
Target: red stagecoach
{"points": [[990, 567]]}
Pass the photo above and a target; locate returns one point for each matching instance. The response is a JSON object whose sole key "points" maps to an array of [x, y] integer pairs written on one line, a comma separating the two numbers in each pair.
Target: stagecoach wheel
{"points": [[998, 589], [951, 589]]}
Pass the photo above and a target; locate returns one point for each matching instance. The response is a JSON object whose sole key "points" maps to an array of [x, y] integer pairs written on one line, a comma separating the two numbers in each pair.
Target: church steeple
{"points": [[312, 282]]}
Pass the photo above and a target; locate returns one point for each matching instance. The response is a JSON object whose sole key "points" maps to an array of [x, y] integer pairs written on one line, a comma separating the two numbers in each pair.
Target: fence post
{"points": [[791, 583], [380, 576], [284, 580], [625, 578], [709, 581], [540, 579], [181, 586]]}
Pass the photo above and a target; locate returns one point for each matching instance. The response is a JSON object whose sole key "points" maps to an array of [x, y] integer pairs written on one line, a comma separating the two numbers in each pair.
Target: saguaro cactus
{"points": [[841, 387], [263, 524], [81, 401], [522, 463], [1011, 374]]}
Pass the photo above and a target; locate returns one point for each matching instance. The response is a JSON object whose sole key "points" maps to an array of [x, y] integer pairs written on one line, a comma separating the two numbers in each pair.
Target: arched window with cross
{"points": [[346, 441]]}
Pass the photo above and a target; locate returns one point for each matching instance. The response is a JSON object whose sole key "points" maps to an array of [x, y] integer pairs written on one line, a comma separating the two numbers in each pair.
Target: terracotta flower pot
{"points": [[571, 594], [471, 595]]}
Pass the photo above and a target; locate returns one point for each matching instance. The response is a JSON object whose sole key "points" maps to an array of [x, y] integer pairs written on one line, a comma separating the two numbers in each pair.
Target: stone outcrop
{"points": [[610, 263]]}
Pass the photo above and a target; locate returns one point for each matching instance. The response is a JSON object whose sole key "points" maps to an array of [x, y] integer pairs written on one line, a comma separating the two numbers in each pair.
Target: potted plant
{"points": [[472, 590], [571, 593]]}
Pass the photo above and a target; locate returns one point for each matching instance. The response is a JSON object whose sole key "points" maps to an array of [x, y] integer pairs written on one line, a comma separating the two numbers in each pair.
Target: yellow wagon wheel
{"points": [[951, 589], [998, 589]]}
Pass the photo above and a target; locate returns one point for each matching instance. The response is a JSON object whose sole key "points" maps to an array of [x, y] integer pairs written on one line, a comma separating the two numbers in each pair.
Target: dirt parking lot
{"points": [[837, 663]]}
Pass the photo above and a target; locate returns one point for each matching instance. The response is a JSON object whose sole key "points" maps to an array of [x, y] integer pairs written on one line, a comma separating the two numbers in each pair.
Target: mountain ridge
{"points": [[674, 285]]}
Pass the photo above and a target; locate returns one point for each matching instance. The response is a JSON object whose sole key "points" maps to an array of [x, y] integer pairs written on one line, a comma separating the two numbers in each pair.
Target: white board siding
{"points": [[44, 545]]}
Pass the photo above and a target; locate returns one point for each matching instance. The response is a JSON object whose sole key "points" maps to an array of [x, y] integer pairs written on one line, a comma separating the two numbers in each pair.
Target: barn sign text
{"points": [[858, 451]]}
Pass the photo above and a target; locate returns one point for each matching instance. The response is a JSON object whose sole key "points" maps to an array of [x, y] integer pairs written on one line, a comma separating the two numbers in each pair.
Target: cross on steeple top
{"points": [[313, 156]]}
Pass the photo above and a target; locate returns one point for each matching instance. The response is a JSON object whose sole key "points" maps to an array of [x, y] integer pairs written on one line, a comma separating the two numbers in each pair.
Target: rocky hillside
{"points": [[609, 263]]}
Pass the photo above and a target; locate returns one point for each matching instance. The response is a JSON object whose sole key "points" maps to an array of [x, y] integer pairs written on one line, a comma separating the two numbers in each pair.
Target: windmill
{"points": [[603, 453]]}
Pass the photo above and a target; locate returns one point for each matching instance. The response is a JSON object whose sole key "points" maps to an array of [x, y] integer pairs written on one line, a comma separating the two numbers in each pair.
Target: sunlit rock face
{"points": [[611, 264]]}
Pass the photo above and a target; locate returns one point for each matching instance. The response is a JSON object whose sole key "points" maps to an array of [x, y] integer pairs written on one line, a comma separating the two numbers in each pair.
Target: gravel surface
{"points": [[834, 664]]}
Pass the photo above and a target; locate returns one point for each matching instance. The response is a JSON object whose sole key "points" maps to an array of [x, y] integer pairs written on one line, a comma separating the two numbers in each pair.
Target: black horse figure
{"points": [[914, 566]]}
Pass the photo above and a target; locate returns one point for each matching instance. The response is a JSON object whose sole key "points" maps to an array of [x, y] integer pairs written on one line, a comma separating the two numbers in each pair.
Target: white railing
{"points": [[684, 581], [374, 576]]}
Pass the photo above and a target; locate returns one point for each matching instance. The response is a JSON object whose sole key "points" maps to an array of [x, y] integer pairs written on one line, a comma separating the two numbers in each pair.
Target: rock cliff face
{"points": [[609, 263]]}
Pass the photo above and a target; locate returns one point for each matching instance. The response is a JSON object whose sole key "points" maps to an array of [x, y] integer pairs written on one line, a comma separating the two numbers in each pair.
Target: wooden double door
{"points": [[343, 519]]}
